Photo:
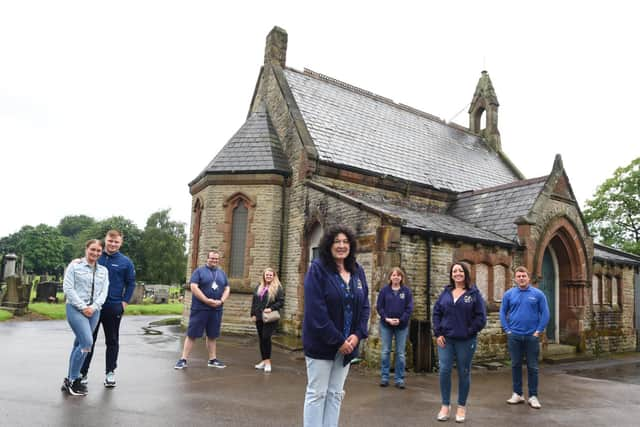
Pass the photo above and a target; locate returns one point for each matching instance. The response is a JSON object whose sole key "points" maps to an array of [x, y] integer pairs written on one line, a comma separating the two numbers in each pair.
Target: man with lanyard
{"points": [[122, 281], [209, 290]]}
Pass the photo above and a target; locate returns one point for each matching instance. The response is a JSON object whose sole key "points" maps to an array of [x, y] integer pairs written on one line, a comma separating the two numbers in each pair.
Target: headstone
{"points": [[138, 294], [9, 265], [46, 292], [16, 297]]}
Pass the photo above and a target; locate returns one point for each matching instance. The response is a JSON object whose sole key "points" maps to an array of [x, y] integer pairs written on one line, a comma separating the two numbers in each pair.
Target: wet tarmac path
{"points": [[150, 392]]}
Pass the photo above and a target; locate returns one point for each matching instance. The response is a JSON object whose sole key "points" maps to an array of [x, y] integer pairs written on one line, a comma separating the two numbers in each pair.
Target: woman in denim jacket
{"points": [[85, 286]]}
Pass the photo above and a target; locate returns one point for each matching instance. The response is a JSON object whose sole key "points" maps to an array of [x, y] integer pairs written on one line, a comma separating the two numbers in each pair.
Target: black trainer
{"points": [[76, 388]]}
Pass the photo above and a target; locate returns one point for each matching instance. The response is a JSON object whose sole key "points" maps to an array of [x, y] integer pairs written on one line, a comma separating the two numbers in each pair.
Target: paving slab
{"points": [[150, 392]]}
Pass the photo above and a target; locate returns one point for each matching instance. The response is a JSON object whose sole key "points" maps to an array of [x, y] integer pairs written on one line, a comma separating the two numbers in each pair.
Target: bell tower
{"points": [[485, 105]]}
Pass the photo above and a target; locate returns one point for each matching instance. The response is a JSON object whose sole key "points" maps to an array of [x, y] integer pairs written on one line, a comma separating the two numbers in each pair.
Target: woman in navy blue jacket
{"points": [[394, 306], [336, 316], [458, 316]]}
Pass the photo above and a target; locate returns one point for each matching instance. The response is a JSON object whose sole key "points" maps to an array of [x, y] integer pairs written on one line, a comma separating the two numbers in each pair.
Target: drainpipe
{"points": [[431, 362]]}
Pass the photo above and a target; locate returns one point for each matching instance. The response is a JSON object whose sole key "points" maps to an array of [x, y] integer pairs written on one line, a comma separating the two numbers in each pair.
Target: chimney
{"points": [[275, 51]]}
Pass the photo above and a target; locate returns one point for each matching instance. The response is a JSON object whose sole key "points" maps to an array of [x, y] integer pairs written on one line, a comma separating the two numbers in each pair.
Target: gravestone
{"points": [[16, 296], [46, 292], [9, 265], [138, 294]]}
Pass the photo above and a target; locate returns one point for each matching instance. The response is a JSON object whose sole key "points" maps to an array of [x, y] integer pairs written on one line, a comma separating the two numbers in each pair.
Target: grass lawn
{"points": [[4, 315], [57, 311]]}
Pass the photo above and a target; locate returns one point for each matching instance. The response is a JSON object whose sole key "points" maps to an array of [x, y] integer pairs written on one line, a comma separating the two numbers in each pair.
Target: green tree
{"points": [[132, 237], [613, 214], [163, 246], [71, 227], [42, 247]]}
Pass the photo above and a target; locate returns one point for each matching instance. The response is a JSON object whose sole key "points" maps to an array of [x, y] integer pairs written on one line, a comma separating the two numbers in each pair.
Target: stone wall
{"points": [[611, 326], [263, 228]]}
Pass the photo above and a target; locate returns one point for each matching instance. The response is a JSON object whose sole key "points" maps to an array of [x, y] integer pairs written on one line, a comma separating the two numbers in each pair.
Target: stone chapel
{"points": [[419, 193]]}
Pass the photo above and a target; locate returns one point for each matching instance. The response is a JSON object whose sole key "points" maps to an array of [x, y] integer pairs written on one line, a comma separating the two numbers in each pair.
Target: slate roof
{"points": [[355, 128], [421, 220], [255, 148], [496, 209], [605, 253]]}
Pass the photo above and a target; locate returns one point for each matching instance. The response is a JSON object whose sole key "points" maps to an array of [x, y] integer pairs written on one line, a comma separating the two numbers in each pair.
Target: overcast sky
{"points": [[111, 108]]}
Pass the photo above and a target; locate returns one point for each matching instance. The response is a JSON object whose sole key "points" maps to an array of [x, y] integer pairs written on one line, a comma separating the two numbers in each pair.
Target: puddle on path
{"points": [[627, 373]]}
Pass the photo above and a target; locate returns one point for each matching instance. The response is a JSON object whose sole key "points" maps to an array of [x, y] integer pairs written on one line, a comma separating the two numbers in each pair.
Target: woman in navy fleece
{"points": [[336, 316], [458, 316], [394, 306]]}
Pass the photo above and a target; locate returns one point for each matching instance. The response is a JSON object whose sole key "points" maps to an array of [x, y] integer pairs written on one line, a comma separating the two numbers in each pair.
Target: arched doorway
{"points": [[549, 285], [561, 272]]}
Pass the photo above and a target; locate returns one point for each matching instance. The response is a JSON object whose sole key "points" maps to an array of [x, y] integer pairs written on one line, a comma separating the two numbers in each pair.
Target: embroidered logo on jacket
{"points": [[468, 299], [402, 295]]}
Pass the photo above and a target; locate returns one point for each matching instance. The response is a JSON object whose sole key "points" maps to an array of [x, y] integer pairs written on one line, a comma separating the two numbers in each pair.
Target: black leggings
{"points": [[265, 330]]}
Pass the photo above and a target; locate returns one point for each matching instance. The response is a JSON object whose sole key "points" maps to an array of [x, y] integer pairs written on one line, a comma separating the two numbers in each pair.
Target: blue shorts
{"points": [[201, 320]]}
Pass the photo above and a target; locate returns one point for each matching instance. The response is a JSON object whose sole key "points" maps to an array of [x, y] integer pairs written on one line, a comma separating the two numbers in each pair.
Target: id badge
{"points": [[214, 286]]}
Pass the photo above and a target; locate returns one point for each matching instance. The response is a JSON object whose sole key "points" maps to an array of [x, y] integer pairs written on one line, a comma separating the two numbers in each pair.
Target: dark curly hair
{"points": [[325, 248], [467, 276]]}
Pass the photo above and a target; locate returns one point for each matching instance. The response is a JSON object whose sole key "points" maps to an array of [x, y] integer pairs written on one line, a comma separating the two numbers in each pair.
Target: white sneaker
{"points": [[534, 402], [260, 365], [267, 368], [515, 399]]}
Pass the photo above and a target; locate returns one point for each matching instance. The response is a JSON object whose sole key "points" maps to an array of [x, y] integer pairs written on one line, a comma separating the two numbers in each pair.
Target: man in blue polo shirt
{"points": [[209, 290], [524, 314]]}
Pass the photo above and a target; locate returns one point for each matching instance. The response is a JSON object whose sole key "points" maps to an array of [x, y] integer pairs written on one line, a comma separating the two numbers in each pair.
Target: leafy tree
{"points": [[42, 247], [71, 227], [132, 237], [613, 214], [163, 246]]}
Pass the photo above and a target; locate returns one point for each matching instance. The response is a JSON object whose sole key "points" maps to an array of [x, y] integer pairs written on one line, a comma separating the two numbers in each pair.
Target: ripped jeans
{"points": [[462, 352], [323, 398], [82, 327]]}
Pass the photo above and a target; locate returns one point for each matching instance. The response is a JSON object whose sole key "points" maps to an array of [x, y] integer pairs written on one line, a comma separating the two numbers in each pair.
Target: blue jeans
{"points": [[82, 326], [462, 351], [524, 346], [325, 382], [110, 317], [386, 334]]}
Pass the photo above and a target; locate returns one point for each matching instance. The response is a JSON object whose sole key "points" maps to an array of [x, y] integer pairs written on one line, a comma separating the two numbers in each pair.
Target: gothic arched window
{"points": [[238, 239]]}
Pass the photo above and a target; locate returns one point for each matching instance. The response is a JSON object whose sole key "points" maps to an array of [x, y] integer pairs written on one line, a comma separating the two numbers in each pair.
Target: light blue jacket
{"points": [[524, 311], [77, 285]]}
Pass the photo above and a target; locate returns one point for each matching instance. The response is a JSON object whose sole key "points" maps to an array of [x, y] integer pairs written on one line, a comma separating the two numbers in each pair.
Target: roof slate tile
{"points": [[345, 123]]}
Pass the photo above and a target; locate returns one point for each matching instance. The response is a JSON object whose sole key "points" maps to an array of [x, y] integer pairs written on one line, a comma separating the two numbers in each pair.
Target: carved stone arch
{"points": [[479, 109], [566, 286], [196, 223], [565, 231], [233, 200]]}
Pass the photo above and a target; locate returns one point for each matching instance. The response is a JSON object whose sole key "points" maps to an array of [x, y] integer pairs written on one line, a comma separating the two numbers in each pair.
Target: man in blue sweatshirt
{"points": [[524, 314], [122, 281]]}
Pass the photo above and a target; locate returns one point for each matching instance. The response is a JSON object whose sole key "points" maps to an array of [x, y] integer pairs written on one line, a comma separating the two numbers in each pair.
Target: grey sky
{"points": [[111, 108]]}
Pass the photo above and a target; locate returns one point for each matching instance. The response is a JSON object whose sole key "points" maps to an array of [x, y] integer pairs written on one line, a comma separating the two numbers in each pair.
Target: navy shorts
{"points": [[201, 320]]}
